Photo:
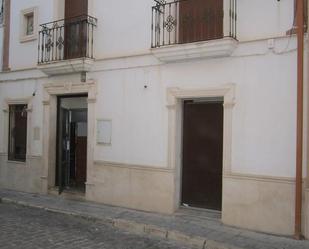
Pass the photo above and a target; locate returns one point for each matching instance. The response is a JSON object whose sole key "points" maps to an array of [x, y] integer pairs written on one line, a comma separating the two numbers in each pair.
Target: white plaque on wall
{"points": [[104, 132]]}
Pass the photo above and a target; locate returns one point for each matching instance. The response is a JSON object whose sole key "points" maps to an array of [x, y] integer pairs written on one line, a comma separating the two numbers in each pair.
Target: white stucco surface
{"points": [[131, 91], [265, 83]]}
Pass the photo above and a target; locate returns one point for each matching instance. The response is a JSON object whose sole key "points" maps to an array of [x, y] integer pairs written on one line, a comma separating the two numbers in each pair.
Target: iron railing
{"points": [[67, 39], [185, 21]]}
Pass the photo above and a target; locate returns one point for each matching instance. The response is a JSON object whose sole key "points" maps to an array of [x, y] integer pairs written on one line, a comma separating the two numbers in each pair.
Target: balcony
{"points": [[188, 29], [67, 45]]}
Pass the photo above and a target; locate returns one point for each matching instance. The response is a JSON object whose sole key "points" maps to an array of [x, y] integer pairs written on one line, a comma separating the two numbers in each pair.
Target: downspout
{"points": [[300, 98], [6, 36]]}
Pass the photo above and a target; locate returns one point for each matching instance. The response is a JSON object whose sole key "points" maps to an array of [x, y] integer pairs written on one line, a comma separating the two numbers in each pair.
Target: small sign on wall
{"points": [[36, 133], [104, 132]]}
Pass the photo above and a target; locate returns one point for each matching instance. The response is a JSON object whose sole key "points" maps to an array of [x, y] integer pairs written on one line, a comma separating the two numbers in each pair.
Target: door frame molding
{"points": [[175, 97], [50, 93]]}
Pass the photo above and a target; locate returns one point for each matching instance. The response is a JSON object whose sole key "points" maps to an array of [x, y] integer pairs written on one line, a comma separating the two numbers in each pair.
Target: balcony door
{"points": [[75, 44], [200, 20]]}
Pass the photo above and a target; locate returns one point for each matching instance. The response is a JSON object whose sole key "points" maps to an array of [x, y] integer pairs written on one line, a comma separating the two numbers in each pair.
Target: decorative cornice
{"points": [[262, 178], [34, 157], [18, 101], [67, 66], [88, 87], [227, 91], [132, 166], [11, 101], [69, 87], [205, 49]]}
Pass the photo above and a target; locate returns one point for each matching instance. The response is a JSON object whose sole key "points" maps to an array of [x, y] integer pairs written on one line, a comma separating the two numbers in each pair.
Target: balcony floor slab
{"points": [[67, 66], [204, 49]]}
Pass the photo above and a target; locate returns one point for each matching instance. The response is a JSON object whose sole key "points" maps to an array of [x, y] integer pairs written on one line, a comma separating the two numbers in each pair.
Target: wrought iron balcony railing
{"points": [[186, 21], [67, 39]]}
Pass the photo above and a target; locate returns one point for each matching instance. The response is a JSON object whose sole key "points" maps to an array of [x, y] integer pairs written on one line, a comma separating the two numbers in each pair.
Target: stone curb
{"points": [[136, 228]]}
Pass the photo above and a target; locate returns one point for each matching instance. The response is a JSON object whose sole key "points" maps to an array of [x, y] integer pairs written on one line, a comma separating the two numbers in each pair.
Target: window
{"points": [[17, 132], [28, 26]]}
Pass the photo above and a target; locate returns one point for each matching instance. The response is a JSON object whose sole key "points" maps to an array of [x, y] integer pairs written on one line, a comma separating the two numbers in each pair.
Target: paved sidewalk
{"points": [[32, 228], [187, 227]]}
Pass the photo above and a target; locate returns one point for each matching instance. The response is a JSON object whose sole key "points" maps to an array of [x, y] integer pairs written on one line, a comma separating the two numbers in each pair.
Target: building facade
{"points": [[154, 105]]}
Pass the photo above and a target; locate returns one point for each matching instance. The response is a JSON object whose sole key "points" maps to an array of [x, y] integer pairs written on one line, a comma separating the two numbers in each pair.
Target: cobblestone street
{"points": [[22, 227]]}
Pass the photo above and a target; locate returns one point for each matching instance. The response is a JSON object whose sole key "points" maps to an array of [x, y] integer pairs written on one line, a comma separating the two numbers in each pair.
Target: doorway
{"points": [[200, 20], [75, 42], [202, 161], [72, 122]]}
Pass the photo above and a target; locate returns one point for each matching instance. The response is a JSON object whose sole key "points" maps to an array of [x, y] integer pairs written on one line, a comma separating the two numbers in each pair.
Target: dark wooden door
{"points": [[72, 151], [63, 149], [81, 160], [200, 20], [74, 8], [202, 154], [75, 45]]}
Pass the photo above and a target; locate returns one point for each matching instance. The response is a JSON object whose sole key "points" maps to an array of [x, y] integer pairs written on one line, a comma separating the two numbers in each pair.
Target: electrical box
{"points": [[104, 132]]}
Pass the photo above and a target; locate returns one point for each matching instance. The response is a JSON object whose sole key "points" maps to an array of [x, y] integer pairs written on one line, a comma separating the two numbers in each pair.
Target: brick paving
{"points": [[186, 227], [23, 227]]}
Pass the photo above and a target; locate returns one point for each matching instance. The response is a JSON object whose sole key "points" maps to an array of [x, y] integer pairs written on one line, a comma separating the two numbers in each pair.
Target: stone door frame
{"points": [[175, 97], [50, 93]]}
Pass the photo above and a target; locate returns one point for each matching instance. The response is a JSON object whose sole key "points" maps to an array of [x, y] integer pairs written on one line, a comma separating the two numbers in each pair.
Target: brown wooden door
{"points": [[74, 8], [81, 160], [76, 12], [63, 155], [202, 154], [200, 20]]}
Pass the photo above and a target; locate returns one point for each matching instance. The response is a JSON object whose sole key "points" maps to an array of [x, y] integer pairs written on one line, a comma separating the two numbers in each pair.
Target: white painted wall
{"points": [[21, 90], [264, 116], [132, 20], [124, 27], [138, 115], [24, 55], [264, 99], [265, 95], [264, 18]]}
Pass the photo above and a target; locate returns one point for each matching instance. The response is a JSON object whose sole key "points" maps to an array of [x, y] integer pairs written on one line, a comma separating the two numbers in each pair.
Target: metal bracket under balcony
{"points": [[67, 45]]}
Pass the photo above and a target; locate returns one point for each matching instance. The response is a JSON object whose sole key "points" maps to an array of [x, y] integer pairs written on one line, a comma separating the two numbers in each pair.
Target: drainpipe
{"points": [[300, 97], [6, 36]]}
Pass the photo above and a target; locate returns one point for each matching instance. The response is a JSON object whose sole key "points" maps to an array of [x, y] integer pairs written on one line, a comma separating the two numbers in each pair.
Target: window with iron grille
{"points": [[17, 132]]}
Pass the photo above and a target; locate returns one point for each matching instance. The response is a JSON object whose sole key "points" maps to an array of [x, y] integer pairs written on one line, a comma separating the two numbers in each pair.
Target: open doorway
{"points": [[202, 162], [72, 122]]}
